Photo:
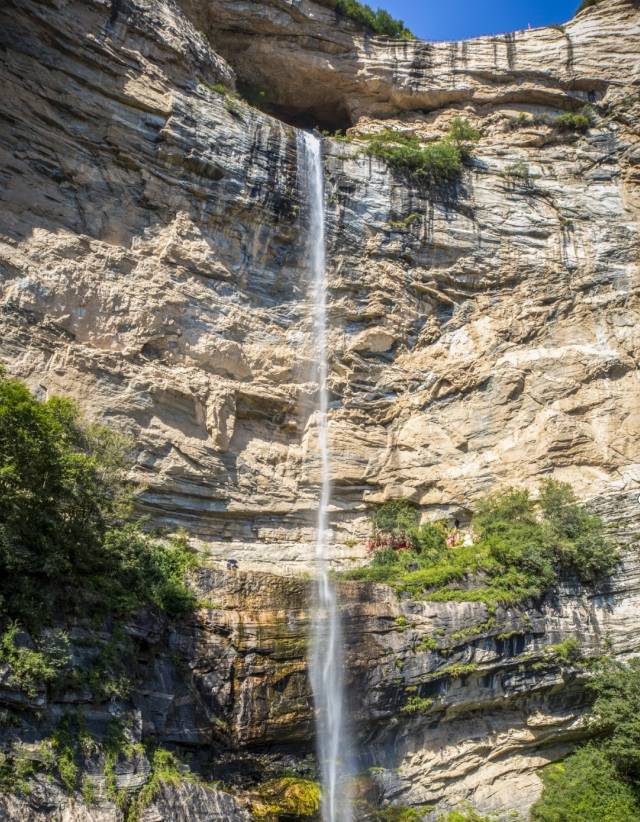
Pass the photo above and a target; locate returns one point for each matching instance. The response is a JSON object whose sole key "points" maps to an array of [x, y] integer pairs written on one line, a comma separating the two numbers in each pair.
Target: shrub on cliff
{"points": [[520, 549], [616, 715], [379, 21], [66, 541], [437, 162], [466, 814], [463, 135], [396, 528], [289, 797], [579, 538]]}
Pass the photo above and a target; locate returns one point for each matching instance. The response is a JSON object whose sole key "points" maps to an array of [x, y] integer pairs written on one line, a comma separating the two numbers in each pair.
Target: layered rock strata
{"points": [[152, 265], [450, 702]]}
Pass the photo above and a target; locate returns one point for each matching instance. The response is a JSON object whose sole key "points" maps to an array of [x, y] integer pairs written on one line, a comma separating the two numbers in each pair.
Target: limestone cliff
{"points": [[152, 265]]}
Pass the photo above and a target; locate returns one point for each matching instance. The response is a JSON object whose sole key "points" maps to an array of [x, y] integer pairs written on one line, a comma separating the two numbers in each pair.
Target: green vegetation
{"points": [[379, 21], [32, 668], [60, 755], [287, 797], [65, 753], [572, 122], [427, 643], [463, 135], [219, 88], [464, 634], [455, 670], [404, 223], [65, 744], [17, 767], [66, 540], [417, 705], [465, 814], [437, 162], [518, 171], [398, 813], [232, 100], [585, 787], [166, 769], [568, 121], [567, 651], [616, 715], [520, 548], [402, 623], [601, 781]]}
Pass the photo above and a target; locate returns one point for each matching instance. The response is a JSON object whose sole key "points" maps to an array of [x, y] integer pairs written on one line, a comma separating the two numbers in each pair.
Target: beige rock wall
{"points": [[152, 263]]}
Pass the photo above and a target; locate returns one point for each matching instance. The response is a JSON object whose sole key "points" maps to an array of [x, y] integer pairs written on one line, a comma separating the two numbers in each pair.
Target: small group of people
{"points": [[458, 536]]}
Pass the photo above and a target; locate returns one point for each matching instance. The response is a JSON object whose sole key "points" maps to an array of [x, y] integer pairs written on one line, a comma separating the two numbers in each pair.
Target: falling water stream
{"points": [[326, 661]]}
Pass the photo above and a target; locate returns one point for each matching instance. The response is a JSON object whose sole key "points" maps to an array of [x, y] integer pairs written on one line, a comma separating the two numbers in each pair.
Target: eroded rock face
{"points": [[172, 802], [152, 265], [153, 255], [228, 689], [321, 67]]}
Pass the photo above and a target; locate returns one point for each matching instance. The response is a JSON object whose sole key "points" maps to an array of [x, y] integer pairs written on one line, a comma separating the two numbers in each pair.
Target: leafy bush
{"points": [[436, 162], [517, 171], [616, 715], [416, 705], [583, 788], [30, 667], [395, 528], [430, 540], [397, 813], [463, 135], [567, 121], [439, 161], [395, 519], [466, 814], [572, 122], [405, 222], [601, 781], [65, 540], [380, 21], [567, 651], [520, 549], [580, 538]]}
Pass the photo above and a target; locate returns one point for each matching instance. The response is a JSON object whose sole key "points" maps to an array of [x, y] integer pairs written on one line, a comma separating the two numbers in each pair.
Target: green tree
{"points": [[463, 135], [396, 518], [616, 714], [379, 21], [584, 788], [65, 536], [507, 525], [580, 538]]}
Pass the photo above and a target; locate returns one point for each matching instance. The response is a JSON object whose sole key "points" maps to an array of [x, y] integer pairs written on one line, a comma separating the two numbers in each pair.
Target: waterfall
{"points": [[326, 660]]}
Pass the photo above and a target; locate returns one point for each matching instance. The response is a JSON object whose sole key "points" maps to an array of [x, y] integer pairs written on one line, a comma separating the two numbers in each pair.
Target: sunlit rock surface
{"points": [[152, 265]]}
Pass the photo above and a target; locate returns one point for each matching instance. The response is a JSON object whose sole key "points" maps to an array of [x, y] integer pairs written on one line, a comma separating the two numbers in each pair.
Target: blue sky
{"points": [[455, 19]]}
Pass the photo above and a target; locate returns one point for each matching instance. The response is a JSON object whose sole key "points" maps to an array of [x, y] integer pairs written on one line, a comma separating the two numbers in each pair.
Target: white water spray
{"points": [[326, 663]]}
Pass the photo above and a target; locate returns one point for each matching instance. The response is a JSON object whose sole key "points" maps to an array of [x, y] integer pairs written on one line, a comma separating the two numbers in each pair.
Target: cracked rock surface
{"points": [[153, 266]]}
